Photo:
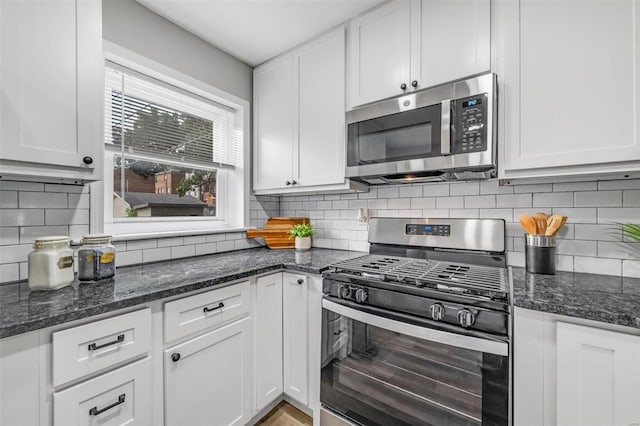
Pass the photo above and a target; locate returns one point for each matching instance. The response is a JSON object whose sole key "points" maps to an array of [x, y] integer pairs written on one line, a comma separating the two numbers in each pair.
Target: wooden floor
{"points": [[285, 414]]}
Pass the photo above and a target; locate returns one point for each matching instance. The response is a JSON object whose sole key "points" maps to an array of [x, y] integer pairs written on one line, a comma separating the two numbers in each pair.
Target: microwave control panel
{"points": [[469, 124]]}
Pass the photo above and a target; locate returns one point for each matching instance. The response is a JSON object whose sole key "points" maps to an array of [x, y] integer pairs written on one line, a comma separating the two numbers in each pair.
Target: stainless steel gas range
{"points": [[418, 331]]}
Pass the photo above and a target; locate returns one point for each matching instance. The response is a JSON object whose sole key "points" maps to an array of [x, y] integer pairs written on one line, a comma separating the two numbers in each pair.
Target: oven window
{"points": [[403, 136], [377, 377]]}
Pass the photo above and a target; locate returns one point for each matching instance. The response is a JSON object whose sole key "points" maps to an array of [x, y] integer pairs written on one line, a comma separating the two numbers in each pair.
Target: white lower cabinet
{"points": [[209, 379], [572, 372], [295, 334], [598, 381], [268, 338], [121, 397]]}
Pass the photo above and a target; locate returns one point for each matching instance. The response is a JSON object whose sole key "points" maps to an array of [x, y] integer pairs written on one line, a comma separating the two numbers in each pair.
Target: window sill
{"points": [[150, 235]]}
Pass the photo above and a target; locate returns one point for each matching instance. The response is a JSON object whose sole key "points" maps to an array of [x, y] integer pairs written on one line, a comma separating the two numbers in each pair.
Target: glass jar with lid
{"points": [[50, 263], [96, 258]]}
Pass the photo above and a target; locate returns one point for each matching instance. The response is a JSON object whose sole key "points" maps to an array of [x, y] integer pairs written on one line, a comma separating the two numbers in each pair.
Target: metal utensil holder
{"points": [[540, 254]]}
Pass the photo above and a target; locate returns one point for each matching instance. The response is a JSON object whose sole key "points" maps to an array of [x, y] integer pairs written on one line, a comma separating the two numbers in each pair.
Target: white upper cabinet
{"points": [[51, 84], [299, 121], [379, 53], [320, 123], [598, 377], [570, 86], [410, 45], [273, 123], [450, 40]]}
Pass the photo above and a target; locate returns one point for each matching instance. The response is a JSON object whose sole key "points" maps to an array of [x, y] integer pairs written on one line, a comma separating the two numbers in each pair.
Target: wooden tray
{"points": [[276, 231]]}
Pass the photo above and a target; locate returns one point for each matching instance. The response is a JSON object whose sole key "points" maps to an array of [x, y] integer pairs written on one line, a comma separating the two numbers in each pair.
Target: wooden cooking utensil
{"points": [[528, 224], [541, 223], [554, 225], [564, 220]]}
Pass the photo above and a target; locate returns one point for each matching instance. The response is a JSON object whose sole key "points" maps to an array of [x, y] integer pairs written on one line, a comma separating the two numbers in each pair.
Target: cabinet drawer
{"points": [[121, 397], [92, 347], [192, 314]]}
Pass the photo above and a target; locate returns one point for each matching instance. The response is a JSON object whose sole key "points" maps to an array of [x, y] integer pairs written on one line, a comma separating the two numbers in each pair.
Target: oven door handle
{"points": [[452, 339]]}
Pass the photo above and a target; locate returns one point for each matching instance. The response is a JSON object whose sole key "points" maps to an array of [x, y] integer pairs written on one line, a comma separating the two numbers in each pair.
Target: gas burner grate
{"points": [[445, 276]]}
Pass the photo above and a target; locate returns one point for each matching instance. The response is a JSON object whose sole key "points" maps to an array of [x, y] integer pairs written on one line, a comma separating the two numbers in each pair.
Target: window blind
{"points": [[152, 118]]}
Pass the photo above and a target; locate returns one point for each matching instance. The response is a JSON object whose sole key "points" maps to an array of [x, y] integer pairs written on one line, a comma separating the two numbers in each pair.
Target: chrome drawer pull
{"points": [[94, 411], [93, 346], [206, 309]]}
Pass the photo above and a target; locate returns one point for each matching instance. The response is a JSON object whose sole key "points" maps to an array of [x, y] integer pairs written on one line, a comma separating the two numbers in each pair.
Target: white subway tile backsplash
{"points": [[577, 247], [435, 190], [226, 246], [358, 204], [564, 263], [156, 254], [540, 187], [206, 248], [215, 238], [377, 204], [42, 200], [631, 268], [631, 198], [513, 200], [619, 215], [241, 244], [76, 232], [506, 214], [423, 203], [78, 201], [19, 217], [619, 250], [598, 232], [9, 236], [449, 202], [30, 233], [173, 241], [388, 192], [595, 265], [9, 272], [126, 258], [619, 184], [464, 213], [178, 252], [199, 239], [467, 188], [399, 203], [8, 199], [575, 186], [8, 185], [372, 193], [66, 217], [410, 191], [553, 199], [598, 198], [480, 201], [142, 244], [56, 187], [492, 187], [577, 215]]}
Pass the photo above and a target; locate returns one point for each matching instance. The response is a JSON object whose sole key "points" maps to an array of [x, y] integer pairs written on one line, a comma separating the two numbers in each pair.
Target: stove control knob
{"points": [[361, 295], [344, 291], [437, 311], [466, 318]]}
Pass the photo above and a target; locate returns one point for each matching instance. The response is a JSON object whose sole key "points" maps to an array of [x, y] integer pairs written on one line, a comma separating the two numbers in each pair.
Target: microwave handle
{"points": [[445, 127]]}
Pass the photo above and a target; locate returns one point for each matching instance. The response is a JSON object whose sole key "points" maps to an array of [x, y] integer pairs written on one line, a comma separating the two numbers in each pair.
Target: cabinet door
{"points": [[273, 123], [295, 335], [209, 379], [51, 83], [571, 86], [598, 377], [319, 155], [268, 337], [379, 53], [450, 40]]}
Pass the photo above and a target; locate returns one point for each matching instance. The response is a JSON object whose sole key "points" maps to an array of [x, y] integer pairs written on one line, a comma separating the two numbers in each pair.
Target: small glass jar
{"points": [[96, 258], [50, 263]]}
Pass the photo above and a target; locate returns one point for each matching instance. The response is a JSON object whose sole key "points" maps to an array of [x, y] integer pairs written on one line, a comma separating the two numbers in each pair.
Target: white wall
{"points": [[131, 25]]}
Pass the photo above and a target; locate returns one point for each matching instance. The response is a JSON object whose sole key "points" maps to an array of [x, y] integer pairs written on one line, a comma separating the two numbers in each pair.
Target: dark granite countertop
{"points": [[22, 310], [604, 298]]}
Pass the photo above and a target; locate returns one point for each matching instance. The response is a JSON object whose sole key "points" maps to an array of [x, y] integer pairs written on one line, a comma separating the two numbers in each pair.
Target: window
{"points": [[174, 155]]}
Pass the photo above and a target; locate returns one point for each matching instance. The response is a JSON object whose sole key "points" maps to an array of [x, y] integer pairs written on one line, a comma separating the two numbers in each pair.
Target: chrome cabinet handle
{"points": [[403, 86], [207, 309], [175, 357], [288, 183], [300, 281], [94, 411], [414, 83], [119, 339]]}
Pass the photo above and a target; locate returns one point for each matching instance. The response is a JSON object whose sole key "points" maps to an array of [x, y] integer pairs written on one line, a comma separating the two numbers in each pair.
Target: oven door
{"points": [[381, 371]]}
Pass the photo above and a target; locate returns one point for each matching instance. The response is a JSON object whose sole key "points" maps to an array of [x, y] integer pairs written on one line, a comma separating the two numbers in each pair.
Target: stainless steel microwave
{"points": [[442, 133]]}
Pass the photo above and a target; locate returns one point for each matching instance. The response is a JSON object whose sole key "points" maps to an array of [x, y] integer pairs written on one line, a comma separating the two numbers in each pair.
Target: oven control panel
{"points": [[431, 229], [470, 124]]}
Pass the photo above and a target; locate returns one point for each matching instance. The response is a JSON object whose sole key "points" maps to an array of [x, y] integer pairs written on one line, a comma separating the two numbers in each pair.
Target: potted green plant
{"points": [[302, 233], [631, 231]]}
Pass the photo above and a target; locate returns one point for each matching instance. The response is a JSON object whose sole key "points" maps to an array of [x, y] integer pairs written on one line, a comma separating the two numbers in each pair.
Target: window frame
{"points": [[232, 209]]}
